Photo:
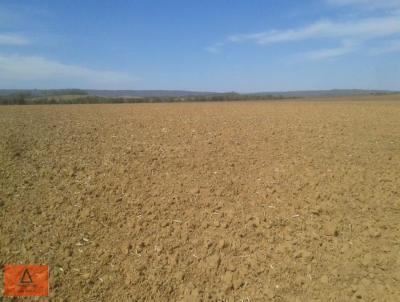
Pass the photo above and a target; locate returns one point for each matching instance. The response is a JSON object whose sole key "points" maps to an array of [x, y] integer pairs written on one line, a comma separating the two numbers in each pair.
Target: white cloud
{"points": [[368, 28], [348, 34], [16, 70], [13, 39], [346, 47], [327, 53]]}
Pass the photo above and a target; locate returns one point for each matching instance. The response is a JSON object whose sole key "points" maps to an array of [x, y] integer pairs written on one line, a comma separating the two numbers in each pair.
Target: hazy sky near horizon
{"points": [[214, 45]]}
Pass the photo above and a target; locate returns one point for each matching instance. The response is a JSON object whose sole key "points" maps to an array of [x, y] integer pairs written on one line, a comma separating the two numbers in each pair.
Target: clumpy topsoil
{"points": [[239, 201]]}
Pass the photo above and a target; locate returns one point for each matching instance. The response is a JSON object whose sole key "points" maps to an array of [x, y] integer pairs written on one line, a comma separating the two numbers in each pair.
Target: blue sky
{"points": [[214, 45]]}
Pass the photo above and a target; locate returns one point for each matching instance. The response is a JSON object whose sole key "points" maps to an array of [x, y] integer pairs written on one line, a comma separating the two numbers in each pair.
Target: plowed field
{"points": [[235, 201]]}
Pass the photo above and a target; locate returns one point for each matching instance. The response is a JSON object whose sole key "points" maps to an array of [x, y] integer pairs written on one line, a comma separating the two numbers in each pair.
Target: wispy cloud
{"points": [[347, 34], [32, 69], [368, 28], [13, 39], [321, 54]]}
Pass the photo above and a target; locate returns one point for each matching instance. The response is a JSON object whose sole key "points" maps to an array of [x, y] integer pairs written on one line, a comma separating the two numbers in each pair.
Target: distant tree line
{"points": [[14, 99], [27, 99]]}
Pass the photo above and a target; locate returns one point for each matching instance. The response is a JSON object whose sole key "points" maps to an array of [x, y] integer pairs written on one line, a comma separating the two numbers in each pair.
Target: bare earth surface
{"points": [[255, 201]]}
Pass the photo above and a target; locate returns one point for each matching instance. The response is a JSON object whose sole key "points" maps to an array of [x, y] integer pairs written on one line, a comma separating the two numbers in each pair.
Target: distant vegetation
{"points": [[77, 96], [42, 92], [27, 99]]}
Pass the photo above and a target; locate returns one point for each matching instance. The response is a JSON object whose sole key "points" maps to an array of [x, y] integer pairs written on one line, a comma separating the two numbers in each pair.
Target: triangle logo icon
{"points": [[26, 277]]}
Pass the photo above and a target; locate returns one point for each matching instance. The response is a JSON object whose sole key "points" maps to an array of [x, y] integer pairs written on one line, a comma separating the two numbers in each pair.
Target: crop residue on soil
{"points": [[274, 201]]}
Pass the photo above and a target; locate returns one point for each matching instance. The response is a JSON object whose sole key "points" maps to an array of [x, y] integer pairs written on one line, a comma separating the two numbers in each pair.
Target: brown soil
{"points": [[244, 201]]}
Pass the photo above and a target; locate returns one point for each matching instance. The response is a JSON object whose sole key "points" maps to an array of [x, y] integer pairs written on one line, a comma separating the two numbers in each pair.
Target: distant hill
{"points": [[80, 96], [184, 93], [325, 93], [147, 93]]}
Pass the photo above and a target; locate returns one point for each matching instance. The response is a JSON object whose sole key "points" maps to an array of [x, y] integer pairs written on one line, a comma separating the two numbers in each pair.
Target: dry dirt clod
{"points": [[126, 248], [324, 279], [366, 260], [222, 244], [214, 261], [331, 229], [227, 279]]}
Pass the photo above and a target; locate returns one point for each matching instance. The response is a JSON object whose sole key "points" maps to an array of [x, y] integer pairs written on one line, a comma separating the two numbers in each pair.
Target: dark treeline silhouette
{"points": [[27, 99], [79, 96]]}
